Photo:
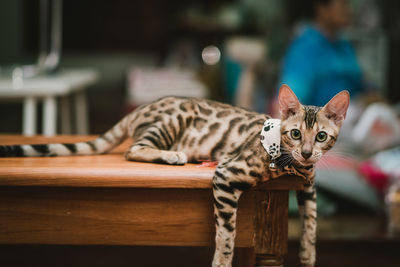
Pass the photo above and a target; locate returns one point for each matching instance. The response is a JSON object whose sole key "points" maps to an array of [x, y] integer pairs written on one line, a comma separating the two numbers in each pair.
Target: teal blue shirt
{"points": [[317, 68]]}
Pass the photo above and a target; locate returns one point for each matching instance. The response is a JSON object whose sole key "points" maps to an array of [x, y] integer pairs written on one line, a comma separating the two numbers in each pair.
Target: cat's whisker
{"points": [[284, 162], [325, 164], [340, 153], [286, 159], [285, 150]]}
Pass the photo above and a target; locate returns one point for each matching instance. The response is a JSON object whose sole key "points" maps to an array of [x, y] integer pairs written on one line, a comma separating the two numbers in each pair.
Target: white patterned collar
{"points": [[271, 139]]}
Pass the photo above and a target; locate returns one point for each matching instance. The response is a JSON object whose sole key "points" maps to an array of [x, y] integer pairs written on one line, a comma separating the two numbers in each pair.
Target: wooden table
{"points": [[104, 199]]}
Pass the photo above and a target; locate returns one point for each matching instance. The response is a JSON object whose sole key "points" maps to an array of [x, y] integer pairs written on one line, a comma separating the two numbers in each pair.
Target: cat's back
{"points": [[203, 129]]}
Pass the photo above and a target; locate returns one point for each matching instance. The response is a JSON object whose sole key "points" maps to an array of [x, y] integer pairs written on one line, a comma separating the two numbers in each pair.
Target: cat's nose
{"points": [[306, 154]]}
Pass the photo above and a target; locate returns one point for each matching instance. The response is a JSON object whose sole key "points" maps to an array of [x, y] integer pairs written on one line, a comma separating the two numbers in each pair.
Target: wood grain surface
{"points": [[271, 227], [116, 216], [109, 170]]}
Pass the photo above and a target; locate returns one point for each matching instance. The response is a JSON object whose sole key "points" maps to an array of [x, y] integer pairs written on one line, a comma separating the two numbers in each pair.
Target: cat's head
{"points": [[308, 132]]}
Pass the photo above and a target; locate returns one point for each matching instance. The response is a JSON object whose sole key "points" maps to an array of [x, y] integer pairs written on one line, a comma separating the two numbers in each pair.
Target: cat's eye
{"points": [[321, 136], [295, 134]]}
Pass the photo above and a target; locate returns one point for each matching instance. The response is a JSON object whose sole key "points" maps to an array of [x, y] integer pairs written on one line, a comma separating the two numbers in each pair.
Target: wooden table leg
{"points": [[271, 227]]}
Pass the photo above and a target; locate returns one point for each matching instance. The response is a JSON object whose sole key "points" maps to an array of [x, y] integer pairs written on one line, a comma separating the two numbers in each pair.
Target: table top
{"points": [[61, 83], [109, 170]]}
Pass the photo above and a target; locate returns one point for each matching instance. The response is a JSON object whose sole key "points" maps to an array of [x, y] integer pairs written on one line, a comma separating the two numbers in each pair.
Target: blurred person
{"points": [[320, 62]]}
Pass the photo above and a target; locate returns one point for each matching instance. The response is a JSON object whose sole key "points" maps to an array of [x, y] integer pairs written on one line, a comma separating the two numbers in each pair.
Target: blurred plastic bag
{"points": [[389, 162], [377, 129], [382, 169]]}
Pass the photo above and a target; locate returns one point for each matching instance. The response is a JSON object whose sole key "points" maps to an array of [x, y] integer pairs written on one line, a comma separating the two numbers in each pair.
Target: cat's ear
{"points": [[336, 108], [288, 102]]}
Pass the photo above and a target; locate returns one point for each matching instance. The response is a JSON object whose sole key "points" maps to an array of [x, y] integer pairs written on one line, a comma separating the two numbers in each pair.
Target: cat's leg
{"points": [[146, 153], [227, 190], [307, 201], [150, 148]]}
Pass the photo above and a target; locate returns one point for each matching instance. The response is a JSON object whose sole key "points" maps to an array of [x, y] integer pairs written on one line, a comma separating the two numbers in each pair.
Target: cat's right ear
{"points": [[288, 102], [336, 108]]}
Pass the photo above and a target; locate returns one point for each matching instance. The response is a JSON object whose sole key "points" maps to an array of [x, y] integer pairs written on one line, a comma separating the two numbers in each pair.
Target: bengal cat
{"points": [[176, 130]]}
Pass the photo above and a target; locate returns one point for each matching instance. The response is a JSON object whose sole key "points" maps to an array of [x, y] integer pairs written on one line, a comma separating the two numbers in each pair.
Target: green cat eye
{"points": [[321, 136], [296, 134]]}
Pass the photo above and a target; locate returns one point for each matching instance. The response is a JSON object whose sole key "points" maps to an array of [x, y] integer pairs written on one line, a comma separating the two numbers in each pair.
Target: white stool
{"points": [[249, 52], [48, 88]]}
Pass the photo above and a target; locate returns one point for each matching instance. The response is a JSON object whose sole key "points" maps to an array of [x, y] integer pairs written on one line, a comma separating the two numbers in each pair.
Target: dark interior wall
{"points": [[119, 25], [391, 22], [94, 26], [11, 40], [107, 25]]}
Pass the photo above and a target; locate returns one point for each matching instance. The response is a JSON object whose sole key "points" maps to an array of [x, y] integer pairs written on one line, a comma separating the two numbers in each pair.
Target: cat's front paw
{"points": [[307, 259], [175, 158], [221, 264], [222, 259]]}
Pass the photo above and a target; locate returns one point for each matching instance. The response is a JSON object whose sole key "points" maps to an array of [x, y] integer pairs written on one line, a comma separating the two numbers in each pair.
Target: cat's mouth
{"points": [[301, 160], [285, 159], [294, 157], [306, 162]]}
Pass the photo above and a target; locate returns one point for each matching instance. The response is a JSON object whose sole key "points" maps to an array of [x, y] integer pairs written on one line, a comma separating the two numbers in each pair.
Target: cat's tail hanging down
{"points": [[100, 145]]}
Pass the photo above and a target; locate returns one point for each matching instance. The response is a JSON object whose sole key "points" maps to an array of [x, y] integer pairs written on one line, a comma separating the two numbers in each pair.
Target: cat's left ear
{"points": [[336, 108]]}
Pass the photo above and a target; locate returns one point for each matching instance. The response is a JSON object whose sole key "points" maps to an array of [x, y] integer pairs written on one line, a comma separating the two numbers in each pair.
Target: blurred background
{"points": [[77, 67]]}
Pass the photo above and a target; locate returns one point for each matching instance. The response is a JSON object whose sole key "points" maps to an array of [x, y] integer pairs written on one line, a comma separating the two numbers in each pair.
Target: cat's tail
{"points": [[100, 145]]}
